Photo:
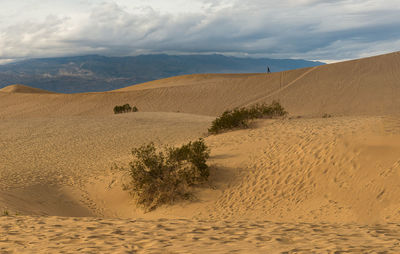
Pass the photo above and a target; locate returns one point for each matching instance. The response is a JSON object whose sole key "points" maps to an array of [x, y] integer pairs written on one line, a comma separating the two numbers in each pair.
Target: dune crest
{"points": [[17, 88]]}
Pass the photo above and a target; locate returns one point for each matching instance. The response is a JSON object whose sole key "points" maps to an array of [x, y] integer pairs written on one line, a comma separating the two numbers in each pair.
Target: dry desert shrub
{"points": [[163, 176], [125, 109], [240, 117]]}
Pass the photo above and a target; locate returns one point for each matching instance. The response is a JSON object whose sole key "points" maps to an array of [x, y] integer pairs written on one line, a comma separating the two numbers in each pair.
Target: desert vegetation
{"points": [[164, 175], [240, 117], [125, 109]]}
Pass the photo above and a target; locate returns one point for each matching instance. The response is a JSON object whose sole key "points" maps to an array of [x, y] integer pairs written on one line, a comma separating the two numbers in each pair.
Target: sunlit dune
{"points": [[339, 89], [295, 184], [22, 89]]}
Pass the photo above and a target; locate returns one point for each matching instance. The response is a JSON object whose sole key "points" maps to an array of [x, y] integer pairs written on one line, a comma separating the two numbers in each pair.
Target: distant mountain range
{"points": [[95, 73]]}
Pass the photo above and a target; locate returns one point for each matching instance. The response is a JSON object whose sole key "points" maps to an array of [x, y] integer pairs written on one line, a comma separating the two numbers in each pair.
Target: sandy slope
{"points": [[22, 89], [332, 170], [367, 86], [298, 184], [51, 155], [306, 176]]}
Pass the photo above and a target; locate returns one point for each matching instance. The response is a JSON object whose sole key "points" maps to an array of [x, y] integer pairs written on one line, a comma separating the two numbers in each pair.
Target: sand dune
{"points": [[361, 87], [52, 154], [22, 89], [340, 89], [331, 170], [294, 184], [270, 191]]}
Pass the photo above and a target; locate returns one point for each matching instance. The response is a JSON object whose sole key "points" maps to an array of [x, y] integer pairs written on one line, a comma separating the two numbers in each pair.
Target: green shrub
{"points": [[124, 109], [162, 176], [236, 118], [240, 117]]}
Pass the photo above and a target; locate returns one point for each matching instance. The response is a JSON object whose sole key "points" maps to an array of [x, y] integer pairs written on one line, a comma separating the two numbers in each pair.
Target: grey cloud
{"points": [[311, 29]]}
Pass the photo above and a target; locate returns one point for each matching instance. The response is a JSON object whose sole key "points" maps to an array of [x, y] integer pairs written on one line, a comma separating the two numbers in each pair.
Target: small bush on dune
{"points": [[162, 176], [240, 117], [236, 118], [124, 109], [273, 110]]}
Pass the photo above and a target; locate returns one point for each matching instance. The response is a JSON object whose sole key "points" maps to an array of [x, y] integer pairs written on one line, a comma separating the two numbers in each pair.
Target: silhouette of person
{"points": [[268, 70]]}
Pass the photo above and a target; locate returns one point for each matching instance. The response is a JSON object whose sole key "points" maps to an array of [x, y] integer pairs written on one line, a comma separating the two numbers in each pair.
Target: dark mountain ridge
{"points": [[94, 73]]}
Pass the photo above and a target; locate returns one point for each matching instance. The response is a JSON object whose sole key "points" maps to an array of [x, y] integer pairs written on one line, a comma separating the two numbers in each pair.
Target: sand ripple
{"points": [[21, 234]]}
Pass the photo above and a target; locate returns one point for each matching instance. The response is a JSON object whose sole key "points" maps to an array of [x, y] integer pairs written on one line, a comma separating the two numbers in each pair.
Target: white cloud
{"points": [[311, 29]]}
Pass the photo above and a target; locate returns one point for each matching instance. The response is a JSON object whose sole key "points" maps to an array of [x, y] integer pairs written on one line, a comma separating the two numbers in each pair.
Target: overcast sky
{"points": [[309, 29]]}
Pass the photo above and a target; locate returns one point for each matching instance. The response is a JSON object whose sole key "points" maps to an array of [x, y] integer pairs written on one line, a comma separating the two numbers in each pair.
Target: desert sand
{"points": [[303, 183], [22, 89]]}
